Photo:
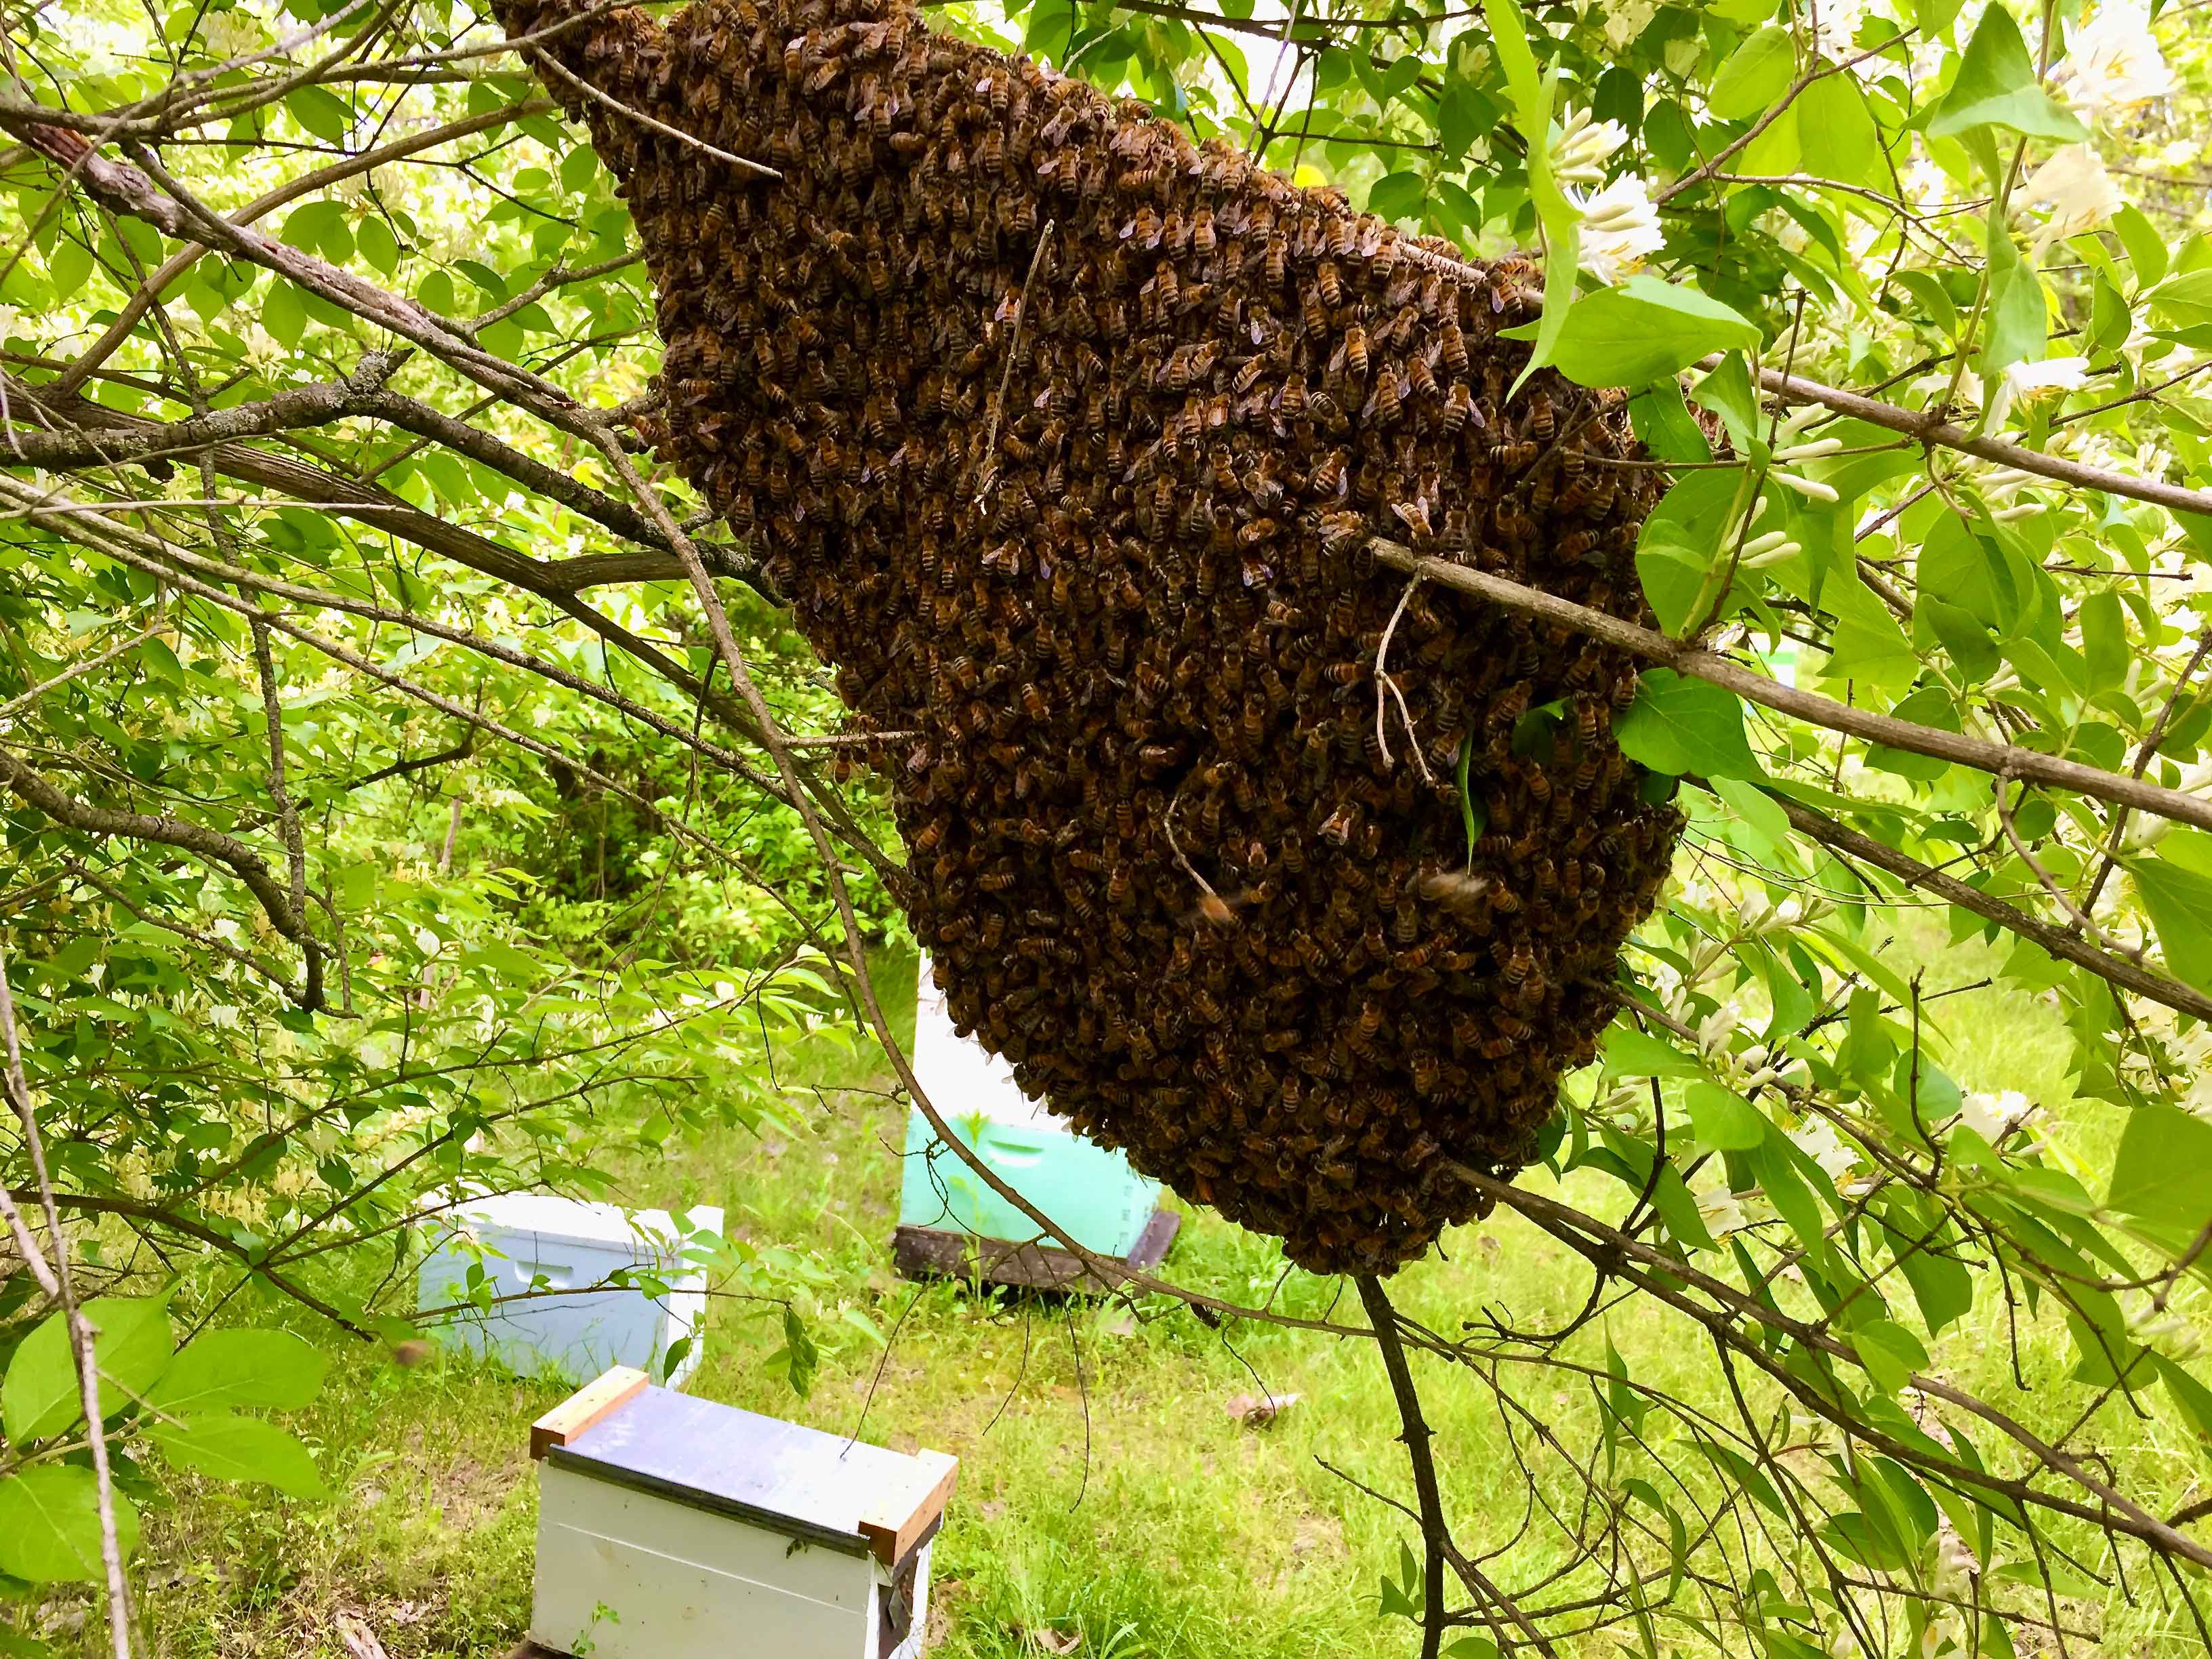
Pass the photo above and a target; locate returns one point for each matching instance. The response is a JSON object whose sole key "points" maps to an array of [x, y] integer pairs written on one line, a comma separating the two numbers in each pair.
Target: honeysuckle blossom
{"points": [[1583, 147], [1722, 1211], [2073, 185], [1835, 23], [1819, 1141], [1994, 1116], [2114, 62], [1626, 19], [1619, 227], [2030, 382]]}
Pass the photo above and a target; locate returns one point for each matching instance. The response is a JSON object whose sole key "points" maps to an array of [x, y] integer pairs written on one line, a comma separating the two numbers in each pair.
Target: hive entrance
{"points": [[1064, 437]]}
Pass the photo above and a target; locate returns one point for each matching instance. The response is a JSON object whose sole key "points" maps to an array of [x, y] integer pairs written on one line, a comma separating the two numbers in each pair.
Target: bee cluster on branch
{"points": [[1066, 437]]}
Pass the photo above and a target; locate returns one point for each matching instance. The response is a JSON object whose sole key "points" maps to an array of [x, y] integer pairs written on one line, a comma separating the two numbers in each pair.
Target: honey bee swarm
{"points": [[1064, 437]]}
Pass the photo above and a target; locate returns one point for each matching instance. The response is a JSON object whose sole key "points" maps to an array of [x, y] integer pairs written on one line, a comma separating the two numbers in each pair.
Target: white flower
{"points": [[1720, 1210], [1927, 186], [1995, 1116], [1620, 227], [1714, 1029], [228, 35], [1836, 24], [1955, 1565], [2026, 382], [2152, 1323], [1627, 19], [2073, 185], [1583, 146], [1819, 1141], [2114, 62]]}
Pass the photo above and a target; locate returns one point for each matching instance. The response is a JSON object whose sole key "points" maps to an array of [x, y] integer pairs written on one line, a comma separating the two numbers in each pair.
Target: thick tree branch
{"points": [[2067, 947], [1415, 1434], [198, 840]]}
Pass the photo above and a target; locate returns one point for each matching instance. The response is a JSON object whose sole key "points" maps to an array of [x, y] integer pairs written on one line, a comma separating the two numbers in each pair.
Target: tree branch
{"points": [[201, 842], [2003, 760]]}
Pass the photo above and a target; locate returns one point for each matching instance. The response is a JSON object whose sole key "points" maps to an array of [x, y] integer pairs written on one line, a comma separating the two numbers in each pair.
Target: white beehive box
{"points": [[670, 1527], [559, 1249]]}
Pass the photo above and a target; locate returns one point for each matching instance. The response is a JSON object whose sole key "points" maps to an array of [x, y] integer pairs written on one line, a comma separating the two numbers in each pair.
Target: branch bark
{"points": [[1414, 1432], [198, 840], [2067, 947]]}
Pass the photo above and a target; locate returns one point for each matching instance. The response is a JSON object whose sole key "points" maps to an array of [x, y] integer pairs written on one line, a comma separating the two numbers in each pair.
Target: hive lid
{"points": [[795, 1481], [582, 1223]]}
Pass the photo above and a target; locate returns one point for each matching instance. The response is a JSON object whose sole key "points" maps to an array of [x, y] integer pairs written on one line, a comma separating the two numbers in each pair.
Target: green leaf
{"points": [[377, 244], [1664, 425], [233, 1448], [241, 1368], [2017, 325], [1677, 724], [2146, 248], [1756, 74], [1890, 1353], [2105, 639], [802, 1357], [1726, 390], [1723, 1120], [1533, 96], [1641, 330], [1930, 706], [41, 1395], [1398, 196], [2180, 905], [2163, 1171], [50, 1523], [1631, 1053], [2185, 301], [282, 315], [1848, 146], [320, 111], [1757, 808], [69, 266], [1997, 87]]}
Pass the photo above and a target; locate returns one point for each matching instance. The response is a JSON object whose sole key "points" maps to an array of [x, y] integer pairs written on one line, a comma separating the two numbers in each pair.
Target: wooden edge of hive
{"points": [[902, 1512], [597, 1399]]}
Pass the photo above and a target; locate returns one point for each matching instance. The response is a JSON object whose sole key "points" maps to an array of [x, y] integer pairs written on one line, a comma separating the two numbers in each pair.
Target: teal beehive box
{"points": [[950, 1221]]}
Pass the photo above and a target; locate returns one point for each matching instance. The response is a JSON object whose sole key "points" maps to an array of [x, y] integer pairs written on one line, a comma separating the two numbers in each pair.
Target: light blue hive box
{"points": [[951, 1223], [562, 1247]]}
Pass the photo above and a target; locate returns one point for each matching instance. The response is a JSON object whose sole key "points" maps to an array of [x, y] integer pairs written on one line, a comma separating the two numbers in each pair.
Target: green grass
{"points": [[1106, 1491]]}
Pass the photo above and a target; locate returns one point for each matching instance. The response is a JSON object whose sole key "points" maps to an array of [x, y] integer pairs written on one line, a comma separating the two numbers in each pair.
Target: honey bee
{"points": [[1330, 478], [1355, 349], [1543, 420], [1276, 265]]}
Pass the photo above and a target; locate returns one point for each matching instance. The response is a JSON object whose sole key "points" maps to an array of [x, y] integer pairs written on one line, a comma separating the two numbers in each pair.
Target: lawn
{"points": [[1109, 1495]]}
